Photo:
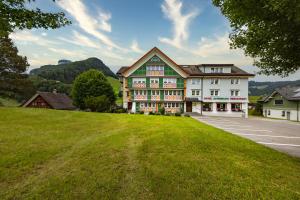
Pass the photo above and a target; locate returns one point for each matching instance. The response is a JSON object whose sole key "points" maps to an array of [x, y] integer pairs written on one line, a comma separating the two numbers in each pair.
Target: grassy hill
{"points": [[47, 154], [266, 88]]}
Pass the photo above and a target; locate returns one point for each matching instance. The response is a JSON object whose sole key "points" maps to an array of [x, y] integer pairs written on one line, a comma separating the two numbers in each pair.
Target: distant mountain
{"points": [[67, 72], [266, 88]]}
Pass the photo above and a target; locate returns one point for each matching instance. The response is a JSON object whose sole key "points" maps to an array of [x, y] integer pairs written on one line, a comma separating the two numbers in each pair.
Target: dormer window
{"points": [[216, 70]]}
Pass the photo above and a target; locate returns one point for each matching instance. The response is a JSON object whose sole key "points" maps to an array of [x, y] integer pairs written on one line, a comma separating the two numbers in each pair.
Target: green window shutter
{"points": [[162, 95], [161, 82], [137, 106], [132, 94], [149, 95], [148, 82], [180, 83], [129, 82]]}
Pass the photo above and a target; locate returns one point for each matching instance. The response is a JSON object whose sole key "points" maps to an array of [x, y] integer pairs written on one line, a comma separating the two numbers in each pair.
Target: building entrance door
{"points": [[188, 106], [288, 115], [129, 106]]}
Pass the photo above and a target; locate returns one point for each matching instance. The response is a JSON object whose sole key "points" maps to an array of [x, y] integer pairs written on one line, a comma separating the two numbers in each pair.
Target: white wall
{"points": [[277, 113], [190, 86]]}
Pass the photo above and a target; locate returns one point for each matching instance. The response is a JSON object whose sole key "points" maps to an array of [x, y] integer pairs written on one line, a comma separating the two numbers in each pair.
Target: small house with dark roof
{"points": [[283, 103], [155, 81], [50, 100]]}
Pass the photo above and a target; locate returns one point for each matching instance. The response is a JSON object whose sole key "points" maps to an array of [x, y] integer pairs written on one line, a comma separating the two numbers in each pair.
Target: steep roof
{"points": [[188, 70], [290, 93], [59, 101]]}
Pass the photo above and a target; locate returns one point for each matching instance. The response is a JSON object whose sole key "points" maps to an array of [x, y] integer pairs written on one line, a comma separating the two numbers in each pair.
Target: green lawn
{"points": [[47, 154]]}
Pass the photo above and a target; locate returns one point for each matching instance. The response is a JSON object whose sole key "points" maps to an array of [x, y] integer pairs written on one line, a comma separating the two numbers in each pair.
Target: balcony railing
{"points": [[154, 85], [172, 110], [173, 98], [155, 97], [169, 85], [140, 97], [139, 85], [155, 73]]}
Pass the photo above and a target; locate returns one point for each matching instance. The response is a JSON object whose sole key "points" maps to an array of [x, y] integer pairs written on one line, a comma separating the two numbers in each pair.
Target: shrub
{"points": [[151, 113], [120, 110], [162, 110], [97, 104], [178, 114], [141, 112], [158, 113], [168, 114], [91, 83], [186, 115]]}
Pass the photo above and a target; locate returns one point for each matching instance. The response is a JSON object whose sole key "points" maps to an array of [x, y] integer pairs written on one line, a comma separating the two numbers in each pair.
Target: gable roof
{"points": [[154, 51], [290, 93], [59, 101]]}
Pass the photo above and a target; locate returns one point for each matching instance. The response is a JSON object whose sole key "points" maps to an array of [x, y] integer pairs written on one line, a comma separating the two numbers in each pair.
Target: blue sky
{"points": [[119, 32]]}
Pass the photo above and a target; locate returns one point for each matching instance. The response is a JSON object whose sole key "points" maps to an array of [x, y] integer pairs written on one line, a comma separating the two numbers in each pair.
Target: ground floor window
{"points": [[269, 112], [171, 105], [221, 107], [207, 106], [236, 107], [148, 105], [283, 113]]}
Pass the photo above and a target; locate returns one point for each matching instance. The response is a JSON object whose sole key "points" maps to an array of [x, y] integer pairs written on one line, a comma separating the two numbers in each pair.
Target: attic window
{"points": [[278, 102]]}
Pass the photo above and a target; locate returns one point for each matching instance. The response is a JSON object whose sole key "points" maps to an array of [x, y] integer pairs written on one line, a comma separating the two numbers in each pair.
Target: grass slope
{"points": [[8, 102], [115, 83], [47, 154]]}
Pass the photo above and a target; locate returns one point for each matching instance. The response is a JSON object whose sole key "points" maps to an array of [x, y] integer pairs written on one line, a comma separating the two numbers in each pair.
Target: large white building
{"points": [[156, 81]]}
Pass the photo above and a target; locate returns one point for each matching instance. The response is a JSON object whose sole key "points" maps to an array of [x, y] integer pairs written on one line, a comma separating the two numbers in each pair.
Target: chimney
{"points": [[54, 91]]}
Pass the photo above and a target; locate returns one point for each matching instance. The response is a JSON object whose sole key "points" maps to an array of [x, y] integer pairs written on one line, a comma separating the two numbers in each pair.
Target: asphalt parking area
{"points": [[278, 134]]}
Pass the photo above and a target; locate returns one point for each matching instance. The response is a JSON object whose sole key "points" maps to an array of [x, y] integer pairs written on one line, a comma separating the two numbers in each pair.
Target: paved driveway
{"points": [[277, 134]]}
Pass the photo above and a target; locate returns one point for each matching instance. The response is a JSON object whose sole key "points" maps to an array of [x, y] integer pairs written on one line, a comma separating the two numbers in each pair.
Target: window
{"points": [[214, 92], [221, 107], [235, 93], [206, 106], [169, 80], [195, 81], [236, 107], [235, 81], [166, 92], [278, 102], [142, 105], [216, 70], [214, 81], [154, 80], [283, 113], [139, 80], [269, 112], [195, 92]]}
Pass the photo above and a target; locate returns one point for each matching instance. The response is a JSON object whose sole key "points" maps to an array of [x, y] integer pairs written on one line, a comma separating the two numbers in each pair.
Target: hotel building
{"points": [[156, 81]]}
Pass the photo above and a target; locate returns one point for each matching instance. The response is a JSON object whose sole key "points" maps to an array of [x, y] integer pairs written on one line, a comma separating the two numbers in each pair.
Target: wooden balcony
{"points": [[155, 97], [173, 98], [155, 73], [169, 85], [139, 85], [154, 85], [140, 97]]}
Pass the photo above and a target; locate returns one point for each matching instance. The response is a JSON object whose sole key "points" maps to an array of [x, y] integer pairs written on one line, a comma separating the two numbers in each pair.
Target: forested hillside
{"points": [[66, 73], [266, 88]]}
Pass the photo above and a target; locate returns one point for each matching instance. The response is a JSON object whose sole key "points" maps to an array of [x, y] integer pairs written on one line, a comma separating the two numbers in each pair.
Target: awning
{"points": [[192, 99]]}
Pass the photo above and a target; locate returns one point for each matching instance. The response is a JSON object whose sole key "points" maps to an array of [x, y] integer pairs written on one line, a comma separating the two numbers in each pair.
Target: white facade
{"points": [[281, 114], [224, 96]]}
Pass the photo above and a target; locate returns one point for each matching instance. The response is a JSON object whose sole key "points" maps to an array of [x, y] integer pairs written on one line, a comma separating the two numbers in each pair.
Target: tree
{"points": [[99, 104], [12, 67], [14, 15], [91, 83], [268, 31]]}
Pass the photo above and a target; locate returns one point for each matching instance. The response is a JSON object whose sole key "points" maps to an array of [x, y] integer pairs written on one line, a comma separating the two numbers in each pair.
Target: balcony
{"points": [[155, 73], [155, 97], [139, 85], [140, 97], [154, 85], [169, 85], [173, 98]]}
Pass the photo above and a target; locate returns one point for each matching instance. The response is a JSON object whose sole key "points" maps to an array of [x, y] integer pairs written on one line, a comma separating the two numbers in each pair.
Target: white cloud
{"points": [[89, 23], [135, 47], [218, 45], [172, 9], [80, 40], [69, 53], [29, 37]]}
